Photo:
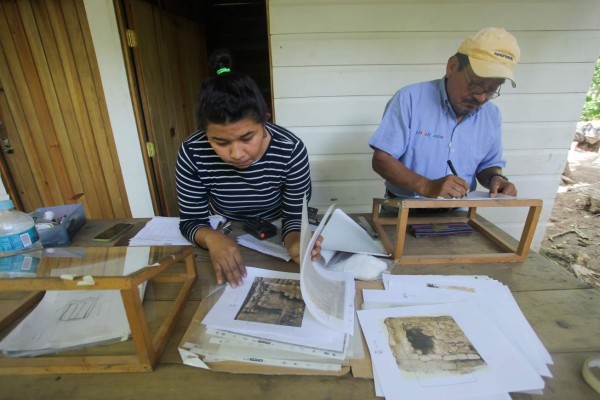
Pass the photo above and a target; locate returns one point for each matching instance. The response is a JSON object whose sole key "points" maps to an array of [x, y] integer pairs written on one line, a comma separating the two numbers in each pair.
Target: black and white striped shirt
{"points": [[271, 187]]}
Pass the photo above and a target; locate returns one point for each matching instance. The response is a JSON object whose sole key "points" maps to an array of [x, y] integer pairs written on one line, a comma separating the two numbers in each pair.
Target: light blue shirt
{"points": [[419, 128]]}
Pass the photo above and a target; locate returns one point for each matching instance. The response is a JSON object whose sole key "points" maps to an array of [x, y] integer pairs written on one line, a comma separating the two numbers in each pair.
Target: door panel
{"points": [[54, 109], [170, 64]]}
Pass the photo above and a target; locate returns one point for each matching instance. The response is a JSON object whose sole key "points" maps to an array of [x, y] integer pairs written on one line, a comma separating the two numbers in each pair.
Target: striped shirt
{"points": [[272, 187]]}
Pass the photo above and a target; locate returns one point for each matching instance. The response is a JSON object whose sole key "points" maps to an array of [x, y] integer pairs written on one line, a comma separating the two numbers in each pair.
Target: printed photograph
{"points": [[273, 301], [429, 347]]}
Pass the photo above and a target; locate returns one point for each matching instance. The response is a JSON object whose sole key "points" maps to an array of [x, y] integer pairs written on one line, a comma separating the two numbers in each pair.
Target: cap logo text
{"points": [[509, 57]]}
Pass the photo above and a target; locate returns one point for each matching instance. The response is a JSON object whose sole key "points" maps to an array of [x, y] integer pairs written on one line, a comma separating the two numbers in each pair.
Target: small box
{"points": [[68, 220], [260, 229]]}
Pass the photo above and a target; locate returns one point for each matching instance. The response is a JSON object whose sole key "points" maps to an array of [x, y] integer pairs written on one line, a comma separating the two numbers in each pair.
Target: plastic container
{"points": [[17, 231], [57, 225]]}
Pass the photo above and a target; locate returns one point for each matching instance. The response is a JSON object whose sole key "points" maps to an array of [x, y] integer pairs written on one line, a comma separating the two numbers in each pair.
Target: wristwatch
{"points": [[494, 175]]}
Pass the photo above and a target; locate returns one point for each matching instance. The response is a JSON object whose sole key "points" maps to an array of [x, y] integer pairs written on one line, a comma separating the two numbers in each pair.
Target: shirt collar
{"points": [[444, 96], [446, 101]]}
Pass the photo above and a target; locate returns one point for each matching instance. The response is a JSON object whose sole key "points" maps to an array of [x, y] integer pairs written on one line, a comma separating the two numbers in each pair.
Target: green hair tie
{"points": [[223, 70]]}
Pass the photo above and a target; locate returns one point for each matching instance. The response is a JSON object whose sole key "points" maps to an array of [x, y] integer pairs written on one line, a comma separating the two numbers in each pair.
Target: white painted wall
{"points": [[105, 35], [336, 63]]}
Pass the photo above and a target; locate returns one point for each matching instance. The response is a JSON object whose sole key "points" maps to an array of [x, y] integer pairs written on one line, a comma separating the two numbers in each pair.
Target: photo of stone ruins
{"points": [[431, 347], [273, 301]]}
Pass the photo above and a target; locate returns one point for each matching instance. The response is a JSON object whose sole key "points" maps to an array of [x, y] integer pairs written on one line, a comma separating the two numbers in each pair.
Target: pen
{"points": [[454, 172], [452, 167]]}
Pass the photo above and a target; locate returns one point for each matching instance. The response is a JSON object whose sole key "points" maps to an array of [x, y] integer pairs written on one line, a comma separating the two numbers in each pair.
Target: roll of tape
{"points": [[43, 225]]}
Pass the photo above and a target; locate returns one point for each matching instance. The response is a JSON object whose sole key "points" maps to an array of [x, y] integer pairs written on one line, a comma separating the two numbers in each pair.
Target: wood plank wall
{"points": [[336, 63], [56, 103]]}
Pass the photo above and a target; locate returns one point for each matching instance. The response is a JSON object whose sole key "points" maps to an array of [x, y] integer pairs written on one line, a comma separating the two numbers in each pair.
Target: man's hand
{"points": [[226, 258], [448, 187], [398, 174], [500, 185]]}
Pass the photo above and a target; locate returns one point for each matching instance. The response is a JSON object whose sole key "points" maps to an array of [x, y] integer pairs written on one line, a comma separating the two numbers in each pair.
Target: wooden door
{"points": [[169, 56], [54, 113]]}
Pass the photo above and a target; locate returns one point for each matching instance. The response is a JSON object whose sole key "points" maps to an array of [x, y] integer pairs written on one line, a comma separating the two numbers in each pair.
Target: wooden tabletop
{"points": [[564, 312]]}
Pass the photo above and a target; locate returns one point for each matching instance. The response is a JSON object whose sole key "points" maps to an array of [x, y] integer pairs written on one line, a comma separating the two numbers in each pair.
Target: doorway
{"points": [[168, 62]]}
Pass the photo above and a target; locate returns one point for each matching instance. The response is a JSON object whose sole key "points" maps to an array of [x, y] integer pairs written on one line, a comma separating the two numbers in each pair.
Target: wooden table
{"points": [[564, 312]]}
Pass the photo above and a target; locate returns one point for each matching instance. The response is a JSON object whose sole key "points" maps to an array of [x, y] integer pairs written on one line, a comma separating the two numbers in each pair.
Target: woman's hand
{"points": [[226, 258]]}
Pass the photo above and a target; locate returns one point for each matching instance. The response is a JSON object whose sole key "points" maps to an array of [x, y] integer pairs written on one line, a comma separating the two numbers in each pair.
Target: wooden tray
{"points": [[509, 252]]}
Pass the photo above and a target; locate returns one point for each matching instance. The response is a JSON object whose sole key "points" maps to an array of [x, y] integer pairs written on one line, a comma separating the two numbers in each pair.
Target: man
{"points": [[437, 138]]}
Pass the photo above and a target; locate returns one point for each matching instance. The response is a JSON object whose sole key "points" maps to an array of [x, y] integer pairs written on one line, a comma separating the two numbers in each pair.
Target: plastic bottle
{"points": [[17, 231]]}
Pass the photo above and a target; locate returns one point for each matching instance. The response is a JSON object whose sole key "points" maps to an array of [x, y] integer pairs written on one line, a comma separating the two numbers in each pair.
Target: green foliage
{"points": [[591, 107]]}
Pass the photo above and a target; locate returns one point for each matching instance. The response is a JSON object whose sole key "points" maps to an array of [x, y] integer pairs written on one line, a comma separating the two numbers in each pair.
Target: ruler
{"points": [[224, 337], [279, 363]]}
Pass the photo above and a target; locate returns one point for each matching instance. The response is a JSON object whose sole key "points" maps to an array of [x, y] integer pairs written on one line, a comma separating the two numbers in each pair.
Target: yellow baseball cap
{"points": [[493, 53]]}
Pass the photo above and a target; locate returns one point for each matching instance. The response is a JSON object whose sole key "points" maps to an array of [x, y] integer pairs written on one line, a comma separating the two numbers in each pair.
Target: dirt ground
{"points": [[572, 237]]}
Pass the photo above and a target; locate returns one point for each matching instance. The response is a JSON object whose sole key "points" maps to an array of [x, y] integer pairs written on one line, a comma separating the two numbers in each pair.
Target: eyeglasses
{"points": [[478, 90]]}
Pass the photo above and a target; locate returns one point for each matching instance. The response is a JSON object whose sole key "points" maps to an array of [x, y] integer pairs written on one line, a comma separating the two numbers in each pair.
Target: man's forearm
{"points": [[484, 176], [397, 173]]}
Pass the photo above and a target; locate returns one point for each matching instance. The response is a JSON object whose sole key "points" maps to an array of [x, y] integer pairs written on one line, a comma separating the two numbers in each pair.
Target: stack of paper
{"points": [[272, 246], [66, 320], [451, 337], [160, 231], [164, 231], [266, 321], [281, 319]]}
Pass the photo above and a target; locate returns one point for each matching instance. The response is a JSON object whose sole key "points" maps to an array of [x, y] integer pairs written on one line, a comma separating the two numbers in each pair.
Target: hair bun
{"points": [[220, 58]]}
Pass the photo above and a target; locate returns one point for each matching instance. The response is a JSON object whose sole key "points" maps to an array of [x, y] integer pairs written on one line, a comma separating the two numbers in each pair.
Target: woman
{"points": [[239, 166]]}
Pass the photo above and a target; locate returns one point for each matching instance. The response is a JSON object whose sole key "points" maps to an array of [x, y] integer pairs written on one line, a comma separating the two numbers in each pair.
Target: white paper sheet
{"points": [[489, 295], [329, 296], [159, 231], [489, 364], [69, 319], [342, 233], [474, 195], [164, 231], [483, 195], [310, 333]]}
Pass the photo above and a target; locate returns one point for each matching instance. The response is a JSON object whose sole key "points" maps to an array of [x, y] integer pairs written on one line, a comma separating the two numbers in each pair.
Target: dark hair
{"points": [[463, 61], [230, 95]]}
